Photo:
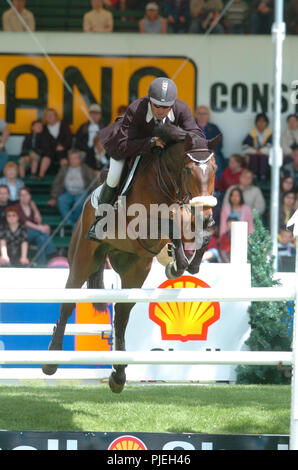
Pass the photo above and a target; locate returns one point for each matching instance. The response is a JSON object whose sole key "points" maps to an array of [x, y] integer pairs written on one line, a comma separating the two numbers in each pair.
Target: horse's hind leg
{"points": [[135, 277]]}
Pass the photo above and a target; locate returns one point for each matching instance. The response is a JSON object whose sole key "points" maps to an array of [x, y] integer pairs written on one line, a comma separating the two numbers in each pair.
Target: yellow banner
{"points": [[70, 83]]}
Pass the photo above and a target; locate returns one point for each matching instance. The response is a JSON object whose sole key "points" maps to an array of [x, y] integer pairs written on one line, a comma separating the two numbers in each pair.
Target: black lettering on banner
{"points": [[13, 103], [239, 100], [284, 101], [137, 76], [74, 77], [106, 94], [218, 90], [260, 98]]}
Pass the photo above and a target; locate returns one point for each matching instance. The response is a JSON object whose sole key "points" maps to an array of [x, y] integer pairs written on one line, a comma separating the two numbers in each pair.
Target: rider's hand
{"points": [[159, 143]]}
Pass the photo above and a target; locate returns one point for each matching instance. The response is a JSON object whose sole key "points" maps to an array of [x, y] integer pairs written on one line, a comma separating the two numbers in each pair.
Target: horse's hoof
{"points": [[49, 369], [114, 385], [171, 272]]}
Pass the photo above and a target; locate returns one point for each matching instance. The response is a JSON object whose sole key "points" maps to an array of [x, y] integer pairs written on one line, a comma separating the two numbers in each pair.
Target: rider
{"points": [[132, 135]]}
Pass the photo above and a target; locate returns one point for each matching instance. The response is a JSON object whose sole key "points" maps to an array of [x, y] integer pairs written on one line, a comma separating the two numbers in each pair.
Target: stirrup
{"points": [[91, 235]]}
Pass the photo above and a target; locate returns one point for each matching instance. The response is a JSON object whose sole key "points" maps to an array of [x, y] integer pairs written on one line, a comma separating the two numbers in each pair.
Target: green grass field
{"points": [[210, 409]]}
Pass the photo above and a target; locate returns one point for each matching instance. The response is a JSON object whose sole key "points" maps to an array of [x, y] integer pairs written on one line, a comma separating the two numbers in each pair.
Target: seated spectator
{"points": [[204, 15], [4, 131], [211, 254], [237, 209], [292, 17], [57, 139], [236, 17], [289, 138], [225, 241], [98, 20], [202, 118], [286, 209], [291, 169], [4, 202], [252, 195], [152, 21], [261, 17], [38, 233], [101, 159], [33, 149], [287, 183], [13, 240], [84, 139], [257, 145], [176, 13], [11, 180], [11, 21], [71, 186], [286, 251], [231, 174]]}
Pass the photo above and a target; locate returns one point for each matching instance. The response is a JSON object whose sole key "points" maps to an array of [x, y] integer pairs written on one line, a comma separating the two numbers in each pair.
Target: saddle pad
{"points": [[95, 194]]}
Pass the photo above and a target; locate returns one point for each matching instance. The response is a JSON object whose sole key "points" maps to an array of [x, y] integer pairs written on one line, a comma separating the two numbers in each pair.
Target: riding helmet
{"points": [[163, 92]]}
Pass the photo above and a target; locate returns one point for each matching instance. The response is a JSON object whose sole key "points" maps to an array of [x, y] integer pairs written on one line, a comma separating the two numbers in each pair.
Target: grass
{"points": [[214, 409]]}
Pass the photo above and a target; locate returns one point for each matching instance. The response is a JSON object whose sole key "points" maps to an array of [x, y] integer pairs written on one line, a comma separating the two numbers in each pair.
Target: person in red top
{"points": [[231, 174]]}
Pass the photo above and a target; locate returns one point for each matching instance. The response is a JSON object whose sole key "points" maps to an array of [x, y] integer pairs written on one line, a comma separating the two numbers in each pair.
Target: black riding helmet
{"points": [[163, 92]]}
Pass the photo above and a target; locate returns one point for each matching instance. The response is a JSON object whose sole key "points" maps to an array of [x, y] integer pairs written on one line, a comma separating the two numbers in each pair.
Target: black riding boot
{"points": [[107, 196]]}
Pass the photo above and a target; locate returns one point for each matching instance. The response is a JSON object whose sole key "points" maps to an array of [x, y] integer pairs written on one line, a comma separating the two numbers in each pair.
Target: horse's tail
{"points": [[96, 281]]}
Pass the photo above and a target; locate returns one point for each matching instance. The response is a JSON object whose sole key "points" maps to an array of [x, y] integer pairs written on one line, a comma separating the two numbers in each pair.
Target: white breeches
{"points": [[114, 174]]}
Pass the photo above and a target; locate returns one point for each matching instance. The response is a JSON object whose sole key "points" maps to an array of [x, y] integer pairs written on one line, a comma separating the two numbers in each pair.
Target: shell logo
{"points": [[127, 443], [184, 321]]}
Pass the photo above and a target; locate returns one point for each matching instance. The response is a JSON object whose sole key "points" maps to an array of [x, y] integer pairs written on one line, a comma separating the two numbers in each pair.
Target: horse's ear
{"points": [[187, 142], [212, 143]]}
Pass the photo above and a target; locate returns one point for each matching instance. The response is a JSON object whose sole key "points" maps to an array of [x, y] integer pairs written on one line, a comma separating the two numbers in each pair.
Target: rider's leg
{"points": [[108, 190]]}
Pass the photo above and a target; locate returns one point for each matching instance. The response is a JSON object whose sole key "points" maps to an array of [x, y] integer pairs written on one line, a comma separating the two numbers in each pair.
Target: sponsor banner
{"points": [[131, 442], [194, 326]]}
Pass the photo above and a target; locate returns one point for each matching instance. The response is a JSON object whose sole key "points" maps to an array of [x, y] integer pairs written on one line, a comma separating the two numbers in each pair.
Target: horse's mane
{"points": [[171, 134]]}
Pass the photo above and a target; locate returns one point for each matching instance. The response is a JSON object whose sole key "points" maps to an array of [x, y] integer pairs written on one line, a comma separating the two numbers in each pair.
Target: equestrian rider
{"points": [[132, 135]]}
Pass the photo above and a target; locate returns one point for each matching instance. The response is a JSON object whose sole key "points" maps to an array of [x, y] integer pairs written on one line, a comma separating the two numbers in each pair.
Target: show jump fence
{"points": [[257, 294]]}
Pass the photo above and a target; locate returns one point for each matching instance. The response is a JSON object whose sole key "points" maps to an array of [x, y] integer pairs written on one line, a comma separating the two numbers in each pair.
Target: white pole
{"points": [[294, 398], [147, 357], [253, 294], [239, 232], [21, 329]]}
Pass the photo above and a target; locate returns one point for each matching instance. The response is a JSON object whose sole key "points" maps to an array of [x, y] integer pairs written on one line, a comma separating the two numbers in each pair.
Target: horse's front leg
{"points": [[195, 262]]}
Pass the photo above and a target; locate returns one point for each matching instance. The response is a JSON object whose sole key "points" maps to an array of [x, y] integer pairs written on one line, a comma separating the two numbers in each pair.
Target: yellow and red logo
{"points": [[184, 321], [127, 443]]}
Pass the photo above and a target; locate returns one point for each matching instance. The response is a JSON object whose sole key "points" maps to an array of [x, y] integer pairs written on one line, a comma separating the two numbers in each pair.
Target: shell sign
{"points": [[127, 443], [184, 321]]}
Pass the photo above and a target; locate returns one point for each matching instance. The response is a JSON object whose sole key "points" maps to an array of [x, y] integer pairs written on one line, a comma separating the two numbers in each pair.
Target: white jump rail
{"points": [[165, 357], [39, 329]]}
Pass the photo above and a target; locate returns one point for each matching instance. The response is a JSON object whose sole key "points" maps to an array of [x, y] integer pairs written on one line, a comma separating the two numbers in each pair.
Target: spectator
{"points": [[252, 195], [4, 202], [38, 233], [261, 17], [86, 134], [286, 209], [32, 149], [177, 14], [11, 21], [231, 174], [289, 138], [202, 117], [13, 240], [257, 145], [287, 183], [100, 157], [292, 17], [225, 241], [4, 130], [11, 180], [286, 246], [57, 139], [291, 169], [98, 20], [70, 187], [152, 21], [236, 17], [235, 208], [204, 15], [211, 254]]}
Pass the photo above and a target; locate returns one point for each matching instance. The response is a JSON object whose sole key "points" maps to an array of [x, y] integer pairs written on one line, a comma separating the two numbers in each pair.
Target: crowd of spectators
{"points": [[170, 16]]}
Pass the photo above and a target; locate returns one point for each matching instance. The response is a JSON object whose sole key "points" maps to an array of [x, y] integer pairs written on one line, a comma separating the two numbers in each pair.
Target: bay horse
{"points": [[184, 171]]}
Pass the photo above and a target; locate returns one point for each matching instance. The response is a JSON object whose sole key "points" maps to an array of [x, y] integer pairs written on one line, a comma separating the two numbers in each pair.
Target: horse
{"points": [[184, 171]]}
